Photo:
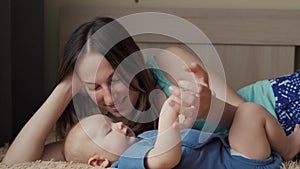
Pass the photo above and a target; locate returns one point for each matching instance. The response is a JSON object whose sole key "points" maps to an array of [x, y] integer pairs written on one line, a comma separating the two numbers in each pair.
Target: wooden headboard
{"points": [[253, 44]]}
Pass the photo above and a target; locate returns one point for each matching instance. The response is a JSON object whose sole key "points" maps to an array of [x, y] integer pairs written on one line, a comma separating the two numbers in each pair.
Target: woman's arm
{"points": [[29, 143], [229, 102], [54, 151]]}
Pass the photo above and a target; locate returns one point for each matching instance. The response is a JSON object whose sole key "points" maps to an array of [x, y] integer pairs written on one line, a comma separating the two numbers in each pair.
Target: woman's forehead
{"points": [[92, 66]]}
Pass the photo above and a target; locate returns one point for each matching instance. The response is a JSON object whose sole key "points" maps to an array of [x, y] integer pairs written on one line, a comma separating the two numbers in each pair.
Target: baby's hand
{"points": [[189, 103], [203, 90], [169, 114]]}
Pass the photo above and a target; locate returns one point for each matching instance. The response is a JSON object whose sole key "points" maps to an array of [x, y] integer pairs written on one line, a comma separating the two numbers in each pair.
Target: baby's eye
{"points": [[108, 131]]}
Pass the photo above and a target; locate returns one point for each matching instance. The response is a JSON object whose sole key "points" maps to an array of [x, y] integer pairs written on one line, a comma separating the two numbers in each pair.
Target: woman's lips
{"points": [[117, 107], [114, 108]]}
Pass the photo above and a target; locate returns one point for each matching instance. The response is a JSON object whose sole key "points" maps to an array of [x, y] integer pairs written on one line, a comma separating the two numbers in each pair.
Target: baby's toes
{"points": [[297, 128]]}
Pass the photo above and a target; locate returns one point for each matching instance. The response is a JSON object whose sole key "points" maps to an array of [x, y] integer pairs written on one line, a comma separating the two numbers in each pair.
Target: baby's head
{"points": [[97, 140]]}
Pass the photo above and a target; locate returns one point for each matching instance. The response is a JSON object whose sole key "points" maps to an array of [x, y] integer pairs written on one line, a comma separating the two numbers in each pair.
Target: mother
{"points": [[106, 88]]}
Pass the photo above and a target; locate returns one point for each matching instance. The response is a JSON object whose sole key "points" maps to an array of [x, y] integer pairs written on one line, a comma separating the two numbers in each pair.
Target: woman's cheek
{"points": [[99, 99], [96, 97], [119, 88]]}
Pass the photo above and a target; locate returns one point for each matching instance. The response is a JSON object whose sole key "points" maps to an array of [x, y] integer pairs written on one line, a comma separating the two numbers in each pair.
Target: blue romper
{"points": [[211, 152]]}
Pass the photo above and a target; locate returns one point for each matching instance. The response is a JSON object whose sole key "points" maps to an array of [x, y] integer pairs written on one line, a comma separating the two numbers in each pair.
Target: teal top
{"points": [[165, 84], [261, 93]]}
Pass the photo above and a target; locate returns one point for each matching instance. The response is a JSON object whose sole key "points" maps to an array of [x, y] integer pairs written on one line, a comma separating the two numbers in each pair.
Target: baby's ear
{"points": [[99, 161]]}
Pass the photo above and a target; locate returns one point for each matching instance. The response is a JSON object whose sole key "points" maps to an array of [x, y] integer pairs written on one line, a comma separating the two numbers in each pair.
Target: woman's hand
{"points": [[204, 92], [195, 93], [73, 81]]}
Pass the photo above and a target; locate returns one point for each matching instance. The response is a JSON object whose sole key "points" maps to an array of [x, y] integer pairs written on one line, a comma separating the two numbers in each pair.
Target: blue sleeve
{"points": [[134, 156]]}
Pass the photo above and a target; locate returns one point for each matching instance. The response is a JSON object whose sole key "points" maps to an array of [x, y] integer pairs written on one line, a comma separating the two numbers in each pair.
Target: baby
{"points": [[100, 141], [259, 143]]}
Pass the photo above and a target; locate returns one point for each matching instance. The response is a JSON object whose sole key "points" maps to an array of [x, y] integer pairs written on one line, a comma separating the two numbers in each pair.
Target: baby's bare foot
{"points": [[294, 140], [297, 128]]}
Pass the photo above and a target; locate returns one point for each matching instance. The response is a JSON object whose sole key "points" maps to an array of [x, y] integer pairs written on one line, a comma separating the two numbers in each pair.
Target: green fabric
{"points": [[163, 82], [199, 124], [261, 93]]}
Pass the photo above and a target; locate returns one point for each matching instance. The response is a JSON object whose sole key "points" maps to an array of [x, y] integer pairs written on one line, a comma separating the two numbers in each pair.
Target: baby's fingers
{"points": [[188, 86], [184, 96], [190, 115], [189, 93]]}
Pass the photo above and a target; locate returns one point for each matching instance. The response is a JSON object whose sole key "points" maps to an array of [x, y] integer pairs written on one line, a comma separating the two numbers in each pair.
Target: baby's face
{"points": [[112, 137]]}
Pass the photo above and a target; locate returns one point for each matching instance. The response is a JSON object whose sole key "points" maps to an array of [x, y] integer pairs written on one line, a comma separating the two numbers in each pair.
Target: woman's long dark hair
{"points": [[81, 39]]}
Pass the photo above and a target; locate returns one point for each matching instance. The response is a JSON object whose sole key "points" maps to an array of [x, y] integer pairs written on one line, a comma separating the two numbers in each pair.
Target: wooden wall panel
{"points": [[222, 26], [246, 64], [253, 44]]}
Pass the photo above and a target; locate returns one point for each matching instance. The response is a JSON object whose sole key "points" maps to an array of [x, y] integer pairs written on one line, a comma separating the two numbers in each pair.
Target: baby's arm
{"points": [[206, 79], [167, 149]]}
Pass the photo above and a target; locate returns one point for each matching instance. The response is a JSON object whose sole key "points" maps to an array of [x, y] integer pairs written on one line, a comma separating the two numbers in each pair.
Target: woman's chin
{"points": [[121, 115]]}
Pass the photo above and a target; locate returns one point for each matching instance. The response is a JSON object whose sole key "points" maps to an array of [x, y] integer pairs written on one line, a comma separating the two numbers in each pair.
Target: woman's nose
{"points": [[108, 100]]}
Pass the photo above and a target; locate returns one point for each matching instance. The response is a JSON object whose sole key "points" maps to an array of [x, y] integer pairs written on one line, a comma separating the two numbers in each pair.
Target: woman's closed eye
{"points": [[93, 87], [115, 80]]}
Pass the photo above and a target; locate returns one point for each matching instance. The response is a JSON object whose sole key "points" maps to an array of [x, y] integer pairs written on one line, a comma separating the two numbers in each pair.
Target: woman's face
{"points": [[104, 87]]}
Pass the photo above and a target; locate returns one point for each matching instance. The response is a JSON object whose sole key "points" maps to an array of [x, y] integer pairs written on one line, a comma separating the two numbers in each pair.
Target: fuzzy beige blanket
{"points": [[42, 164], [68, 165]]}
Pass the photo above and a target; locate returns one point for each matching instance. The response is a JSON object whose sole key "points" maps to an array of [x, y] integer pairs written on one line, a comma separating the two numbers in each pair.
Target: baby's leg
{"points": [[254, 132]]}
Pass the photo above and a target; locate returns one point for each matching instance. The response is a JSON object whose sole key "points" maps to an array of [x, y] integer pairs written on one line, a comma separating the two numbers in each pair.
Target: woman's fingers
{"points": [[200, 74], [184, 96], [77, 84], [189, 103], [188, 86], [201, 78], [189, 94]]}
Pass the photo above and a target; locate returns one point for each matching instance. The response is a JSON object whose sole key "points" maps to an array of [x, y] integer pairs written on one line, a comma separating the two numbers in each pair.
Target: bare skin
{"points": [[255, 132]]}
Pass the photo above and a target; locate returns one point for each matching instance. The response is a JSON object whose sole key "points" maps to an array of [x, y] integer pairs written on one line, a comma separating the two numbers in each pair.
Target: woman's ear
{"points": [[99, 161]]}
